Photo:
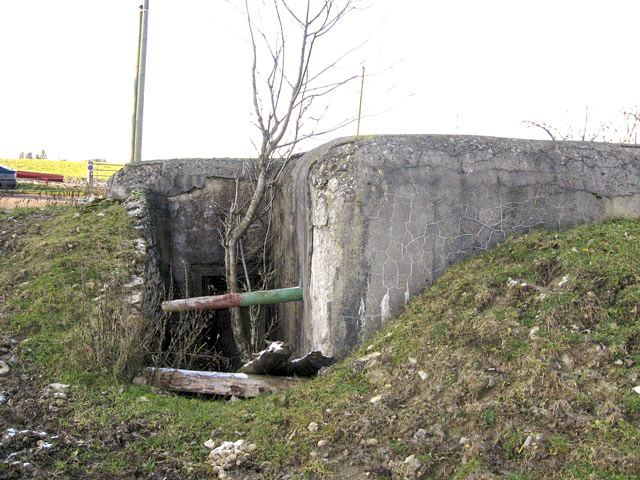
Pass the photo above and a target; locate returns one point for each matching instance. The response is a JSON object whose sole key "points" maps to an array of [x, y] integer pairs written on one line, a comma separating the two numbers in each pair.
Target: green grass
{"points": [[43, 189], [554, 360], [64, 258]]}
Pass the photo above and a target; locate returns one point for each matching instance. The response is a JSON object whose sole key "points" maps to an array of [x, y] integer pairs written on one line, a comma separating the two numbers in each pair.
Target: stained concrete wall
{"points": [[370, 222], [363, 224], [186, 200]]}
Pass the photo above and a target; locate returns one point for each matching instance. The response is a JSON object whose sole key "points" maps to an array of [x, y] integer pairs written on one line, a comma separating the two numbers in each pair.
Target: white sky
{"points": [[435, 66]]}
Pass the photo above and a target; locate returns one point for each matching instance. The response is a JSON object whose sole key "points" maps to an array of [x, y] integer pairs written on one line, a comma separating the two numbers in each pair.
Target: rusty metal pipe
{"points": [[218, 302]]}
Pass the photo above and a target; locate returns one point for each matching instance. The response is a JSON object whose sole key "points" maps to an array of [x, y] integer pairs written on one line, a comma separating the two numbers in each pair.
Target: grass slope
{"points": [[519, 364]]}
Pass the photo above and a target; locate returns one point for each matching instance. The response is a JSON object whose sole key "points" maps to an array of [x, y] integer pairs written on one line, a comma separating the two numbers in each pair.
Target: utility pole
{"points": [[136, 140], [360, 105]]}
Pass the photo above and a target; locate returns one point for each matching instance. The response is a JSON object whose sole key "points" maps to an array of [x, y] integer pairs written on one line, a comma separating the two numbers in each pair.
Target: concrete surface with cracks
{"points": [[363, 224], [377, 219], [186, 199]]}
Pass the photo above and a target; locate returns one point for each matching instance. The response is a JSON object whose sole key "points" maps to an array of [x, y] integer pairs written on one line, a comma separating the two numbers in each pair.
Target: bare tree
{"points": [[283, 93]]}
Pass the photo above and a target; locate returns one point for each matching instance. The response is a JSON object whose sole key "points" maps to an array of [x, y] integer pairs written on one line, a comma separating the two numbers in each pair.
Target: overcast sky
{"points": [[455, 66]]}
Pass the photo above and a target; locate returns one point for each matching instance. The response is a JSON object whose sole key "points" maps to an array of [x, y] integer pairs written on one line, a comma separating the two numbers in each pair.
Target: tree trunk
{"points": [[237, 327], [231, 261]]}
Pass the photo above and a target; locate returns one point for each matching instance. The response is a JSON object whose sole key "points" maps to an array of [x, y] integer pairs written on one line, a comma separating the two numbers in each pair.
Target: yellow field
{"points": [[102, 171]]}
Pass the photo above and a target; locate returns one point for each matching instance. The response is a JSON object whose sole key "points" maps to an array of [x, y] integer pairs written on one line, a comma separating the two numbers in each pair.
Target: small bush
{"points": [[111, 335]]}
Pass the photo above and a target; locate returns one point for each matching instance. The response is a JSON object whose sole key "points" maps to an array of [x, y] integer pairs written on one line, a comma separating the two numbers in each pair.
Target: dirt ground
{"points": [[39, 440], [13, 201]]}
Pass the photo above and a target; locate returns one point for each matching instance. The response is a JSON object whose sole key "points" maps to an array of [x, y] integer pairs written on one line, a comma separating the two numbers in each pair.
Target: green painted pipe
{"points": [[217, 302]]}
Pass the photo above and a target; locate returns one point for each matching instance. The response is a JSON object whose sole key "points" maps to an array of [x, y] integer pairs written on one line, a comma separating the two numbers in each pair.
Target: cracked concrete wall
{"points": [[366, 223], [376, 220], [186, 199]]}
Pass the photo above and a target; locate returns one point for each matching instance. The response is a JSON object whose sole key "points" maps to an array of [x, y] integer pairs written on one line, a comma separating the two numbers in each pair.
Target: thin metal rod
{"points": [[360, 107], [141, 79]]}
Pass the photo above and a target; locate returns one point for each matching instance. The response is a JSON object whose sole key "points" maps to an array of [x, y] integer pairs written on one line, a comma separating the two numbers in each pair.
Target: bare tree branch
{"points": [[541, 126]]}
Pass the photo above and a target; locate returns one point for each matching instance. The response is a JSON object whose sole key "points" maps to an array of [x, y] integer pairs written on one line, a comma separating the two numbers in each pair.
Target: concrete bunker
{"points": [[363, 224], [180, 206]]}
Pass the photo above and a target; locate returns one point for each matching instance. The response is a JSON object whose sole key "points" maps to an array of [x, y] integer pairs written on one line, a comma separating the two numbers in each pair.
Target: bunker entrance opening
{"points": [[203, 340]]}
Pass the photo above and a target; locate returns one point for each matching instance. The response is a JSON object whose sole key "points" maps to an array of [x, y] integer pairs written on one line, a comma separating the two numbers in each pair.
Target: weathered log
{"points": [[269, 360], [217, 383], [217, 302]]}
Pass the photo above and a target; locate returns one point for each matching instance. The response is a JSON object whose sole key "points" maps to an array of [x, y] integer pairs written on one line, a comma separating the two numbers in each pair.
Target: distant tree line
{"points": [[29, 155]]}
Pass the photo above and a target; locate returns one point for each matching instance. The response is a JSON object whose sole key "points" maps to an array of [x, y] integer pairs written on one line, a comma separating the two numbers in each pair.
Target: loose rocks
{"points": [[228, 455]]}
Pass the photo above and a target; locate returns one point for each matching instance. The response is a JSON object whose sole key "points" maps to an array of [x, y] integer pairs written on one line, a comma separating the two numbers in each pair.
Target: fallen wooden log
{"points": [[217, 383]]}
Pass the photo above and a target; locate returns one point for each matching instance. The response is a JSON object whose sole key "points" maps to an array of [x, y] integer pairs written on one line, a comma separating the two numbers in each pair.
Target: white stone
{"points": [[369, 356], [58, 387], [136, 282], [376, 399], [140, 380], [134, 299], [313, 427], [210, 444]]}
